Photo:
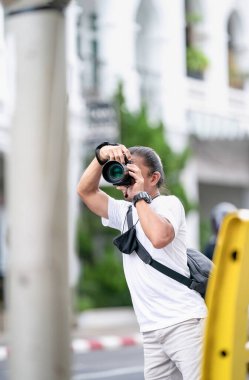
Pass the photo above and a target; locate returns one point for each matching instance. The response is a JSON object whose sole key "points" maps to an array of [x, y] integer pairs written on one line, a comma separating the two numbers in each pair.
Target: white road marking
{"points": [[109, 373]]}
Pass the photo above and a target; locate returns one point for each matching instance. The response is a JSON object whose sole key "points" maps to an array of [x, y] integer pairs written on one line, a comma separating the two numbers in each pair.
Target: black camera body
{"points": [[116, 173]]}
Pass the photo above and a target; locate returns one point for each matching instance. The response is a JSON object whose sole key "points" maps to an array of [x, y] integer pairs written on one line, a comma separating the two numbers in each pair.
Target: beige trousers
{"points": [[174, 353]]}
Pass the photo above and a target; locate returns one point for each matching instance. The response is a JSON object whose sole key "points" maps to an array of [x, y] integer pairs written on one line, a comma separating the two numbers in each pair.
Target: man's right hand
{"points": [[114, 153], [88, 188]]}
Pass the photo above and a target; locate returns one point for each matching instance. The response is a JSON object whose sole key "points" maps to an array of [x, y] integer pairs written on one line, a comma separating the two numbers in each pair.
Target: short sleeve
{"points": [[171, 208], [117, 210]]}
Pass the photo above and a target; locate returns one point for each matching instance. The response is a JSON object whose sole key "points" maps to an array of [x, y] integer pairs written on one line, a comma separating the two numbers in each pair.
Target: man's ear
{"points": [[155, 178]]}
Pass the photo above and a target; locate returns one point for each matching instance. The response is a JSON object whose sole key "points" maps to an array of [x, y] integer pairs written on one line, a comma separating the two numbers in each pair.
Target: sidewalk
{"points": [[105, 329], [96, 329], [114, 321]]}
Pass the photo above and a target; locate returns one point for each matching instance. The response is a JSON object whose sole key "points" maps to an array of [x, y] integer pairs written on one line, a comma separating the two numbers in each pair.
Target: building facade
{"points": [[189, 60]]}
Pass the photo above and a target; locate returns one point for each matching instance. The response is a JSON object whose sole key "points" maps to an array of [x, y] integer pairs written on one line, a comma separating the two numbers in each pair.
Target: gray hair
{"points": [[151, 160]]}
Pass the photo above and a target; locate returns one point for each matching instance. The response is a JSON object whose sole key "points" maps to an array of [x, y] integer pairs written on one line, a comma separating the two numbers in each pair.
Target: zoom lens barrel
{"points": [[116, 173]]}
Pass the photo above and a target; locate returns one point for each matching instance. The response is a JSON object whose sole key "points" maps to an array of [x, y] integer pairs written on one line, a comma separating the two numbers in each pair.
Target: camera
{"points": [[116, 173]]}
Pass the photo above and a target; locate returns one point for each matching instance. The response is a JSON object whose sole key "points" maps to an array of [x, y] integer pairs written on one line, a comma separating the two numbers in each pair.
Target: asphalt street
{"points": [[119, 364]]}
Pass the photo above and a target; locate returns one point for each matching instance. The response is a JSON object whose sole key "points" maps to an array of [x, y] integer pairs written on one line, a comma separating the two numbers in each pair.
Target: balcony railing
{"points": [[229, 120]]}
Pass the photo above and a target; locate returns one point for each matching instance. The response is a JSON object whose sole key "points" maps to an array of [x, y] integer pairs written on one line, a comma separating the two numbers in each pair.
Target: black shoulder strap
{"points": [[147, 259]]}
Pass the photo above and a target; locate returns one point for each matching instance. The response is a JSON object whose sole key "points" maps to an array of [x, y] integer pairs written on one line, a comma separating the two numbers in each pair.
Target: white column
{"points": [[217, 53], [37, 194], [76, 115], [172, 59], [117, 31]]}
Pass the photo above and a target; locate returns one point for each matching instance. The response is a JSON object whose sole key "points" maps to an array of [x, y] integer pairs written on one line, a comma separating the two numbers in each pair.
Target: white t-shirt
{"points": [[158, 300]]}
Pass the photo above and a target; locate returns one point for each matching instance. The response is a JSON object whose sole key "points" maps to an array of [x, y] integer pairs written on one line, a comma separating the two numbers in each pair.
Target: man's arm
{"points": [[88, 188], [157, 228]]}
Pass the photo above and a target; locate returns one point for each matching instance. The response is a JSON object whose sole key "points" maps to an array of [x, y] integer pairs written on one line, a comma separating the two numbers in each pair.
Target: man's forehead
{"points": [[139, 161], [136, 157]]}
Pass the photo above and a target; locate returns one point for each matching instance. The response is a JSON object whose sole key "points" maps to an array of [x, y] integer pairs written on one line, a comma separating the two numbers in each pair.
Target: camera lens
{"points": [[115, 172]]}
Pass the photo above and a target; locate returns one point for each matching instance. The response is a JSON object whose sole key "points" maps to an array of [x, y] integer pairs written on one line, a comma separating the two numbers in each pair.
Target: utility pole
{"points": [[38, 294]]}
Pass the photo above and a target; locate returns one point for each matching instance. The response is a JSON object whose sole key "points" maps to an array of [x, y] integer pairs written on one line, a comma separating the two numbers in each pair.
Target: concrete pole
{"points": [[38, 291]]}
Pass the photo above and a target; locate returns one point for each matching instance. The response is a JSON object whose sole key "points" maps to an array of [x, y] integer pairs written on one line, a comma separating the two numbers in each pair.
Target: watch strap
{"points": [[143, 195]]}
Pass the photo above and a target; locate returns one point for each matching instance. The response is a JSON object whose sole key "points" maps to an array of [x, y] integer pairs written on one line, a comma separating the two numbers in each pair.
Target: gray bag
{"points": [[200, 267]]}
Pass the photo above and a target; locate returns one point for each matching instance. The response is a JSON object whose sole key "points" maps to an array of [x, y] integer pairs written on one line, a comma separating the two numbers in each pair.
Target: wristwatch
{"points": [[102, 162], [142, 195]]}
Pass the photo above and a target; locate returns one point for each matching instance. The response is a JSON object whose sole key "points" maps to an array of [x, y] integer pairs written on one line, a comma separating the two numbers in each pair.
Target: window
{"points": [[88, 52], [235, 52], [196, 61]]}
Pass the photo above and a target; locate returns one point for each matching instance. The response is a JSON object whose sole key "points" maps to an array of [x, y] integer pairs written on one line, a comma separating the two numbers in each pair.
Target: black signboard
{"points": [[102, 123]]}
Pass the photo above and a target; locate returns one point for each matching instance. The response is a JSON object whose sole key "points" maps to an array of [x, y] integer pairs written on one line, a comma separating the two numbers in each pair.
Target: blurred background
{"points": [[173, 75]]}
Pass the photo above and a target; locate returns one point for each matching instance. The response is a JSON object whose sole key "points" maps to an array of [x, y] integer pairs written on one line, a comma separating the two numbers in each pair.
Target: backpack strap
{"points": [[147, 259]]}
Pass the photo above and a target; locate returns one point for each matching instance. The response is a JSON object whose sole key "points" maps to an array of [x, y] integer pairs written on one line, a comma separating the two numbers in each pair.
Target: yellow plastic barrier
{"points": [[226, 350]]}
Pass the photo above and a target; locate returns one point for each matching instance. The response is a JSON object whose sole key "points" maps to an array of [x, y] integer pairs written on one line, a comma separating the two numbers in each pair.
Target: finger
{"points": [[126, 151], [115, 154], [119, 156], [136, 175], [111, 155], [105, 153], [133, 168]]}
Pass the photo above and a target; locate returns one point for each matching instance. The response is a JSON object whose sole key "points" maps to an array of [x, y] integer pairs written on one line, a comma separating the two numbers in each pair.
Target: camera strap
{"points": [[147, 259]]}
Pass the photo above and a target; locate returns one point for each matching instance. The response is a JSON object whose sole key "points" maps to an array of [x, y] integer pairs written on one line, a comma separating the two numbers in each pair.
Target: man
{"points": [[170, 314], [218, 213]]}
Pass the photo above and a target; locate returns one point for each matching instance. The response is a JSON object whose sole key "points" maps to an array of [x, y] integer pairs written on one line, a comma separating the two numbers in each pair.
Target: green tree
{"points": [[102, 282]]}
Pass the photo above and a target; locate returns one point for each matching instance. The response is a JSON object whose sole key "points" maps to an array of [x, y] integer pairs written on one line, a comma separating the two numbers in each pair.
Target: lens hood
{"points": [[116, 173]]}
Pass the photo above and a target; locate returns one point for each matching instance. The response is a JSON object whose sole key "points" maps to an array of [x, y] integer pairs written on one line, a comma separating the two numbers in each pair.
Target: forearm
{"points": [[89, 181], [157, 229], [88, 189]]}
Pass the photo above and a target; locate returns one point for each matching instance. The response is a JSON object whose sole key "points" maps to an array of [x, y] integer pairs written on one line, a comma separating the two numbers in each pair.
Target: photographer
{"points": [[170, 315]]}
